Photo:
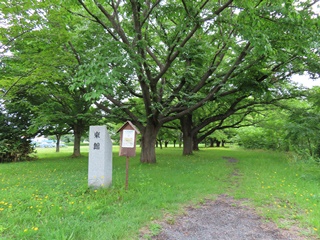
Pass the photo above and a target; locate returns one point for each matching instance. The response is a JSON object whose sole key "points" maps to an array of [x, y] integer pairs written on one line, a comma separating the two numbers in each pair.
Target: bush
{"points": [[14, 144], [14, 151], [256, 138]]}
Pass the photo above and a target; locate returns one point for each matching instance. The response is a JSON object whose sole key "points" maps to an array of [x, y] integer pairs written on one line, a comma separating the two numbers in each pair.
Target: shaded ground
{"points": [[223, 219]]}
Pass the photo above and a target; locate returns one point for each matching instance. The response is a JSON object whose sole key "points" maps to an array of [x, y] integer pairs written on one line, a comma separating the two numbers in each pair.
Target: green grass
{"points": [[49, 198], [286, 192]]}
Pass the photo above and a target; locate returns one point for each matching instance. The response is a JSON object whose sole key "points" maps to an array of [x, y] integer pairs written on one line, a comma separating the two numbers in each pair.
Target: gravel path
{"points": [[223, 219]]}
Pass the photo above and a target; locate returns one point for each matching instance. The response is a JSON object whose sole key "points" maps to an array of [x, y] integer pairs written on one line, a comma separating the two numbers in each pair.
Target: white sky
{"points": [[305, 81]]}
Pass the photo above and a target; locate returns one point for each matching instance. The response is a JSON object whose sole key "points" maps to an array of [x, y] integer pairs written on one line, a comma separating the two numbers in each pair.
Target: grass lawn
{"points": [[49, 198]]}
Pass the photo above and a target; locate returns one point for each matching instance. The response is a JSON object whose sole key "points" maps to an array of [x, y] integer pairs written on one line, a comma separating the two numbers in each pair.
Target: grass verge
{"points": [[287, 193]]}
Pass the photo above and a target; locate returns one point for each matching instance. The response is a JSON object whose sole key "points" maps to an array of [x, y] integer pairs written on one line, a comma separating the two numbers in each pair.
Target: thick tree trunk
{"points": [[77, 139], [148, 143], [186, 127]]}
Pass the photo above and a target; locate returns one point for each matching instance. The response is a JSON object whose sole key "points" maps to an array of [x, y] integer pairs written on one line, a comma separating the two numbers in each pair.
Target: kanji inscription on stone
{"points": [[100, 157]]}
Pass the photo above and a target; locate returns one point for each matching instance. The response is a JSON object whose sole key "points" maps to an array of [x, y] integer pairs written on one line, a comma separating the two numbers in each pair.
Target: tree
{"points": [[177, 56], [292, 125], [303, 125], [64, 110], [230, 112], [168, 134], [176, 63], [219, 137], [15, 118], [43, 60]]}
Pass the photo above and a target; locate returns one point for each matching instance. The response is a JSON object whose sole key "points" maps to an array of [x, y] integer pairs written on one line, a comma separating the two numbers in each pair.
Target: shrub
{"points": [[14, 151]]}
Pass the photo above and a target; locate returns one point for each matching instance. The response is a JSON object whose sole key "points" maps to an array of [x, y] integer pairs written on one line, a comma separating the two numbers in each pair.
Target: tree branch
{"points": [[115, 25], [81, 15], [146, 16], [75, 53], [98, 20], [173, 55], [121, 105], [16, 82], [15, 38], [215, 89]]}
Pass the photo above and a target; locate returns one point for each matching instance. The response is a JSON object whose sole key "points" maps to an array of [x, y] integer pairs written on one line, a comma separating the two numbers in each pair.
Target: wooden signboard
{"points": [[128, 137]]}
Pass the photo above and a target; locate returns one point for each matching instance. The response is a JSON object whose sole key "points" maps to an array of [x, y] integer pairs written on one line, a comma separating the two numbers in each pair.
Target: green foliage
{"points": [[15, 119], [304, 126], [14, 141], [260, 138], [172, 58], [303, 130], [43, 61], [15, 150], [169, 134], [293, 126], [220, 135]]}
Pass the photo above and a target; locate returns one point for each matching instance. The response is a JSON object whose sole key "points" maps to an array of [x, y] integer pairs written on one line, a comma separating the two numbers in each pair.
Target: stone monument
{"points": [[100, 157]]}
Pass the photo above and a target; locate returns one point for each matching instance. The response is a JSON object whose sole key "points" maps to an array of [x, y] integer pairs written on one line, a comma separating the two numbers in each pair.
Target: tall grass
{"points": [[49, 198]]}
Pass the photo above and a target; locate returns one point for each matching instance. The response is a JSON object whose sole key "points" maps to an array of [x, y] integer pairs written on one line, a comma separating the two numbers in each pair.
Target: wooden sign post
{"points": [[128, 136]]}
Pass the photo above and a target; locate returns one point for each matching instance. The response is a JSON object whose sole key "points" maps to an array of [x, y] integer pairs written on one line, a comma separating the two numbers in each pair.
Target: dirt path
{"points": [[223, 219]]}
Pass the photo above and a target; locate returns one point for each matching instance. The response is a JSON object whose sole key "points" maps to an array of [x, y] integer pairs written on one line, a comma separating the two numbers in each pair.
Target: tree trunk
{"points": [[211, 142], [58, 137], [195, 143], [317, 150], [148, 143], [186, 127], [77, 139]]}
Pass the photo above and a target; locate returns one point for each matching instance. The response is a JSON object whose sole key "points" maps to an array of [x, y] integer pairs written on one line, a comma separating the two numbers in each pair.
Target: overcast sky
{"points": [[305, 81]]}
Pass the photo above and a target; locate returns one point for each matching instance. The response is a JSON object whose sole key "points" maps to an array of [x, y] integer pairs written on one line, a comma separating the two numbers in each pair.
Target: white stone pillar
{"points": [[100, 157]]}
